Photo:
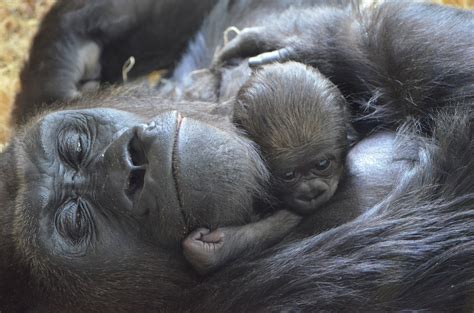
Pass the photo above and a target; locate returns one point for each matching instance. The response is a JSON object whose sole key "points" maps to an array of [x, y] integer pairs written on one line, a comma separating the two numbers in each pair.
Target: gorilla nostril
{"points": [[136, 153], [135, 183]]}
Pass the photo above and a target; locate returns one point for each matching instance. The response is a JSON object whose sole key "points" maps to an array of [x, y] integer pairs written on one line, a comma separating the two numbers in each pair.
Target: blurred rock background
{"points": [[19, 20]]}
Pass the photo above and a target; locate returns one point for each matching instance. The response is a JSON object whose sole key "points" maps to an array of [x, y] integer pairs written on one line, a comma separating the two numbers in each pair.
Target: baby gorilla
{"points": [[300, 121]]}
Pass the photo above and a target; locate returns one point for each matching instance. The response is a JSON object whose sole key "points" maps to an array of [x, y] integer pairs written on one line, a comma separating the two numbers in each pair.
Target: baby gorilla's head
{"points": [[300, 120]]}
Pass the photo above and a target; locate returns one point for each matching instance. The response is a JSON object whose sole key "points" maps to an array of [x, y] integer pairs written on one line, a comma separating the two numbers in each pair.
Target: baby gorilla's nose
{"points": [[310, 195]]}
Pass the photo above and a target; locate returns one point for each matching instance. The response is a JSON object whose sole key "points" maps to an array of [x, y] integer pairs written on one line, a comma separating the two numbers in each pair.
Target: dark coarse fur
{"points": [[414, 250], [397, 60], [406, 67]]}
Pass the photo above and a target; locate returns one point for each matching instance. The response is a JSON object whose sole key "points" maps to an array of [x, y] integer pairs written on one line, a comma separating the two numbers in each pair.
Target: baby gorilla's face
{"points": [[306, 187]]}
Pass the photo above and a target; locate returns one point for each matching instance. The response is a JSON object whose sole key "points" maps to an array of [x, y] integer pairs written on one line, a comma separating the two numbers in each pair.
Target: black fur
{"points": [[402, 234], [394, 61], [412, 251], [115, 31]]}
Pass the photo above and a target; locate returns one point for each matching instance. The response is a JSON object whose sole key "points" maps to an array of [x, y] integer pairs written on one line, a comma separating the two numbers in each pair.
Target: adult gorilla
{"points": [[97, 193]]}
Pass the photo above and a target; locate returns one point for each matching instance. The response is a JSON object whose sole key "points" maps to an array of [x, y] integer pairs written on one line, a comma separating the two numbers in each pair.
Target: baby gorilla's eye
{"points": [[322, 165], [289, 176]]}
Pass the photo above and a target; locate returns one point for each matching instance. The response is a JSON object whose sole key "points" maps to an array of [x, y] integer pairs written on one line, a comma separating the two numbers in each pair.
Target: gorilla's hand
{"points": [[299, 35], [263, 43], [65, 55], [82, 43], [208, 251], [205, 249]]}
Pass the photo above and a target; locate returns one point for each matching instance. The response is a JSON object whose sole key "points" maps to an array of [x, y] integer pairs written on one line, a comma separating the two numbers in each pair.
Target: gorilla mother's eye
{"points": [[73, 146], [72, 222]]}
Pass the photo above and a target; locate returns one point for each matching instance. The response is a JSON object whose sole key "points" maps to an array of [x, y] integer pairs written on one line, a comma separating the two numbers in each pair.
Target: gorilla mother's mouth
{"points": [[174, 163], [164, 187]]}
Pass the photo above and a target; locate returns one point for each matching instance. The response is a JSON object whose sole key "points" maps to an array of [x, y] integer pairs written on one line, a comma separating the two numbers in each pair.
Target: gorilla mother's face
{"points": [[96, 183]]}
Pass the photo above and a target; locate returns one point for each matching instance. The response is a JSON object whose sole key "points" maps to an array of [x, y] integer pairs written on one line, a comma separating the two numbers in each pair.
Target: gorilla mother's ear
{"points": [[8, 180]]}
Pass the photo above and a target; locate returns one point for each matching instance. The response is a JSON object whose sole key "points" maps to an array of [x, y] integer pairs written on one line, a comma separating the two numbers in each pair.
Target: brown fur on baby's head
{"points": [[292, 112]]}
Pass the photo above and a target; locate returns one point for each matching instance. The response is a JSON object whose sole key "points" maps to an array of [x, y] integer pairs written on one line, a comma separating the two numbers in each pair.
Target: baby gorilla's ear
{"points": [[352, 135], [240, 113]]}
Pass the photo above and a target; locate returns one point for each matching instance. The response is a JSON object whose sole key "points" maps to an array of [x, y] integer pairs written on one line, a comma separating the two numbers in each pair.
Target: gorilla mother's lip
{"points": [[174, 160], [162, 189]]}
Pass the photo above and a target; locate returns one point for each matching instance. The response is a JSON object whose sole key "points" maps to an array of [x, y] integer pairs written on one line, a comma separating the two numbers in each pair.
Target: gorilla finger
{"points": [[216, 236], [281, 55], [193, 243], [248, 42], [198, 234]]}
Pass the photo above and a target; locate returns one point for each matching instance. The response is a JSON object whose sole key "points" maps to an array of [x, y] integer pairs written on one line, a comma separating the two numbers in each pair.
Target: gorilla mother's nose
{"points": [[125, 164], [138, 160]]}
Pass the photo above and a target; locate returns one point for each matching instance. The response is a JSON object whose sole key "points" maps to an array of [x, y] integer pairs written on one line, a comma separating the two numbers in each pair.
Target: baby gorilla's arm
{"points": [[207, 251]]}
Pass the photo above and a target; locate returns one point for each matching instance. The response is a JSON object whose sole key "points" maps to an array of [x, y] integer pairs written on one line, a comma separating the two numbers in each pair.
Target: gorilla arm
{"points": [[373, 169], [207, 251], [82, 43], [396, 60]]}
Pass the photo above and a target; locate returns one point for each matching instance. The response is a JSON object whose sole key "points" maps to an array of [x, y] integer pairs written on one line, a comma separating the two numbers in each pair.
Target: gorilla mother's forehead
{"points": [[40, 135], [51, 123], [104, 116]]}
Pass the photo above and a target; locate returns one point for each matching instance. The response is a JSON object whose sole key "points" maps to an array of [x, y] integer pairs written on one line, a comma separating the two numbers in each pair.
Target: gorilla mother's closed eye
{"points": [[74, 145], [59, 174], [73, 222]]}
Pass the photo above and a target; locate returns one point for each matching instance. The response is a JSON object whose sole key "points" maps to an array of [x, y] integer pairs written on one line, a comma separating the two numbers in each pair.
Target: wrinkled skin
{"points": [[397, 235]]}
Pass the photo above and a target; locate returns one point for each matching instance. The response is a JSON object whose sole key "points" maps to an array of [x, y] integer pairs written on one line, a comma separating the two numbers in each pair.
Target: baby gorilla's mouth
{"points": [[307, 203], [310, 197]]}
